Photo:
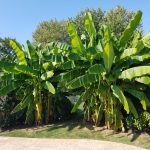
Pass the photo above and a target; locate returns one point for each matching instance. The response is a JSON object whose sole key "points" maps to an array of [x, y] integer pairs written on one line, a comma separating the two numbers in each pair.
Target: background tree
{"points": [[6, 52], [117, 19], [48, 31]]}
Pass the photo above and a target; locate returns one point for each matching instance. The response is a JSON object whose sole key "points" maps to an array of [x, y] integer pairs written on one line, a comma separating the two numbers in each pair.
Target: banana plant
{"points": [[107, 72], [29, 76]]}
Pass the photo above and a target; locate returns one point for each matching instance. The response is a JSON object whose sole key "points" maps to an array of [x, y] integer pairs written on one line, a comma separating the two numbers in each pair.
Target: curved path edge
{"points": [[17, 143]]}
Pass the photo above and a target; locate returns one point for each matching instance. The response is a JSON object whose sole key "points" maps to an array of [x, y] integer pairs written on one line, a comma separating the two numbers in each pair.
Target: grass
{"points": [[74, 130]]}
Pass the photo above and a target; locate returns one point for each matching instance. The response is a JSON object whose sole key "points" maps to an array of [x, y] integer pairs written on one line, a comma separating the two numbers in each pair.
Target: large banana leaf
{"points": [[136, 39], [139, 95], [96, 69], [19, 52], [48, 86], [67, 65], [108, 55], [135, 72], [75, 39], [118, 93], [146, 40], [132, 108], [83, 81], [67, 76], [108, 51], [32, 51], [144, 80], [23, 104], [6, 77], [8, 88], [30, 111], [59, 45], [15, 68], [26, 70], [130, 28], [90, 28], [141, 57], [128, 52]]}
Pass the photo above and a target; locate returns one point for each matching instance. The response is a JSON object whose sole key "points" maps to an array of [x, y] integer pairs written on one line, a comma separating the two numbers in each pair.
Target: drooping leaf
{"points": [[23, 104], [118, 93], [30, 111], [145, 80], [130, 28], [83, 81], [67, 76], [139, 95], [75, 39], [96, 69], [8, 88], [141, 57], [128, 52], [135, 72], [68, 65], [132, 108], [78, 103], [48, 86], [19, 52]]}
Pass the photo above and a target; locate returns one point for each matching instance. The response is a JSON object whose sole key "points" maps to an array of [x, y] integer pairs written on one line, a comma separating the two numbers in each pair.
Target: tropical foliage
{"points": [[30, 77], [107, 72], [110, 74]]}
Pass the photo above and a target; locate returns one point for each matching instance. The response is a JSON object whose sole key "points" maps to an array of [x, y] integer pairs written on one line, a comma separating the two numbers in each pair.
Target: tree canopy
{"points": [[117, 19]]}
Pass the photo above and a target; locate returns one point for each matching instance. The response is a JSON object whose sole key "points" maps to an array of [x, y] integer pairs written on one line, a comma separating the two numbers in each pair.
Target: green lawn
{"points": [[73, 130]]}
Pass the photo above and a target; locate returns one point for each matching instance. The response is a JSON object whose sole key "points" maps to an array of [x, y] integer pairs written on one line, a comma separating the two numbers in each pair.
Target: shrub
{"points": [[142, 123]]}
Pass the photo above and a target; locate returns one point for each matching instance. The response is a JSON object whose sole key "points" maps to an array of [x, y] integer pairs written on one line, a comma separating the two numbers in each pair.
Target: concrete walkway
{"points": [[11, 143]]}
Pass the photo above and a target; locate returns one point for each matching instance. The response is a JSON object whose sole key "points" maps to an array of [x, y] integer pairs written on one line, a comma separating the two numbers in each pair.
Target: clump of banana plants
{"points": [[30, 77], [107, 72]]}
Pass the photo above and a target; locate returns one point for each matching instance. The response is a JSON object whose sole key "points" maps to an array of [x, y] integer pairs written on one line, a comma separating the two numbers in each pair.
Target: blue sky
{"points": [[19, 18]]}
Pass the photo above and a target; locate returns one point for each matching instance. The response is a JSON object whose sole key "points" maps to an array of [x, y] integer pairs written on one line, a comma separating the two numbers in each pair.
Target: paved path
{"points": [[11, 143]]}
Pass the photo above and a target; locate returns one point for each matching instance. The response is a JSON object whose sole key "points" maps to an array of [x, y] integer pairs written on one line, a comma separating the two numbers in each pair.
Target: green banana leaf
{"points": [[128, 52], [132, 108], [83, 81], [23, 104], [90, 28], [78, 103], [118, 93], [139, 95], [108, 56], [146, 40], [48, 86], [32, 51], [130, 28], [144, 80], [59, 45], [19, 52], [75, 39], [135, 72], [108, 51], [8, 88], [67, 76], [96, 69]]}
